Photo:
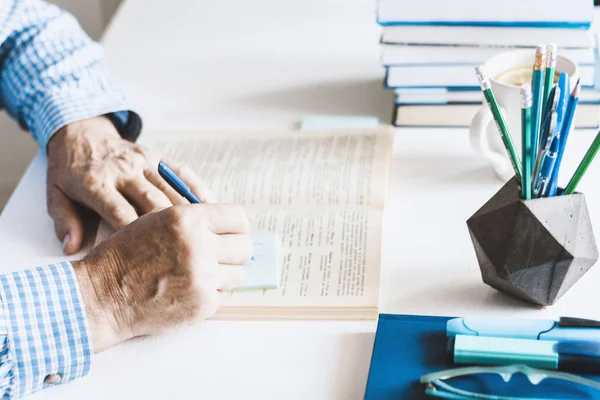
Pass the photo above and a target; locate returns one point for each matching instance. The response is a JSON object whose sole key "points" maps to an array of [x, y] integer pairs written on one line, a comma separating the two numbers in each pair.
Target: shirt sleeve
{"points": [[44, 334], [52, 73]]}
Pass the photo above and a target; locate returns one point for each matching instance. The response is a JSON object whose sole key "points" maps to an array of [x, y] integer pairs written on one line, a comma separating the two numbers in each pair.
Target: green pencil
{"points": [[549, 76], [486, 87], [537, 93], [583, 166], [526, 148]]}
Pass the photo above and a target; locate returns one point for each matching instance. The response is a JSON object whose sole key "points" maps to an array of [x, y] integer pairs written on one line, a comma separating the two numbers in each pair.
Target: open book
{"points": [[322, 193]]}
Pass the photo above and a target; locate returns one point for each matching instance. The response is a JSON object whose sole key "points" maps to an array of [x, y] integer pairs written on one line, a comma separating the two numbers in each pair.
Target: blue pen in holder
{"points": [[533, 249]]}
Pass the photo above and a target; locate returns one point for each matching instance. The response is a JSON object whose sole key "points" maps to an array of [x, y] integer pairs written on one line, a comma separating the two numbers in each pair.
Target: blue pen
{"points": [[546, 164], [546, 169], [564, 135], [550, 106], [563, 329], [177, 183], [558, 103], [563, 100], [545, 135]]}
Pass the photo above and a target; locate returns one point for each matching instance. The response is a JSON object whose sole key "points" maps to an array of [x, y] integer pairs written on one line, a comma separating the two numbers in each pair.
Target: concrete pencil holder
{"points": [[533, 249]]}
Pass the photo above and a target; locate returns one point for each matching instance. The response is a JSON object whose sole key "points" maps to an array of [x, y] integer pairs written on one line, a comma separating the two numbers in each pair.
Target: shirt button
{"points": [[52, 379]]}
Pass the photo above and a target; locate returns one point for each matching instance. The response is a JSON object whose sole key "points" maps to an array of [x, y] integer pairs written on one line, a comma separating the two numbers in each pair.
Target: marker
{"points": [[547, 354], [486, 87], [177, 183], [526, 150], [537, 90], [563, 329]]}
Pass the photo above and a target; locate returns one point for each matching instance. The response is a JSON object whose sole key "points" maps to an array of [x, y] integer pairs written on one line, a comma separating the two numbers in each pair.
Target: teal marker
{"points": [[537, 92], [571, 356], [488, 350]]}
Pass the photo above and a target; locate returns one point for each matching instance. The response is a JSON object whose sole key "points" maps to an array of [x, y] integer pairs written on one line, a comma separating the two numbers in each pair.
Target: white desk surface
{"points": [[264, 64]]}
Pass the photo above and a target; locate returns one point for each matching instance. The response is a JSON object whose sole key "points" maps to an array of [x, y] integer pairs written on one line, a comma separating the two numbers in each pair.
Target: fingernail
{"points": [[66, 240]]}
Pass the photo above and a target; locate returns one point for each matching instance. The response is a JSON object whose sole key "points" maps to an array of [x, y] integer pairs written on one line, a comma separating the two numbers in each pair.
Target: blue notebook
{"points": [[408, 346]]}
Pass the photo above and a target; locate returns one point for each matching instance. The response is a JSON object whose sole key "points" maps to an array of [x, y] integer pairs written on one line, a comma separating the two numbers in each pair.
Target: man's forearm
{"points": [[104, 328], [164, 270]]}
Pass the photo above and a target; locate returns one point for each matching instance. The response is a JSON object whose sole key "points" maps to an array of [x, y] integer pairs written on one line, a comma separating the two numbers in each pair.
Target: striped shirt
{"points": [[51, 74], [44, 334]]}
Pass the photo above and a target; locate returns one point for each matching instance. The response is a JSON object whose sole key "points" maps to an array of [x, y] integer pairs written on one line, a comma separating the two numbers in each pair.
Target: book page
{"points": [[333, 168], [327, 259], [322, 193]]}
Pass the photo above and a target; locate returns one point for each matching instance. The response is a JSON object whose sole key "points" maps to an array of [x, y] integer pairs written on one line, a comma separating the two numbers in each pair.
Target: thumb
{"points": [[68, 224]]}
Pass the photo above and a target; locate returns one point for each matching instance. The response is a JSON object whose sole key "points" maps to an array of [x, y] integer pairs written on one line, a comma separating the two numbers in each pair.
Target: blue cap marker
{"points": [[564, 329]]}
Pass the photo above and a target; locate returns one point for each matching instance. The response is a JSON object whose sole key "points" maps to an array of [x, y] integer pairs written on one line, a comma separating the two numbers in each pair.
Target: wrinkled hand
{"points": [[89, 164], [163, 270]]}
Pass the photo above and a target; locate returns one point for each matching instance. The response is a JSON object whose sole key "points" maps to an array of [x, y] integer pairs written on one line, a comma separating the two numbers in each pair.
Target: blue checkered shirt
{"points": [[51, 74], [44, 334]]}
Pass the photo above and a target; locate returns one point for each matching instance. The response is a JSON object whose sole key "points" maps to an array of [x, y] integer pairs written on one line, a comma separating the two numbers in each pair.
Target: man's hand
{"points": [[89, 164], [163, 270]]}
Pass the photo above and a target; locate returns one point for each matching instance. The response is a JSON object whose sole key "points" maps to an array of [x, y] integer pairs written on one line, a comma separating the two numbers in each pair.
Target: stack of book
{"points": [[430, 49]]}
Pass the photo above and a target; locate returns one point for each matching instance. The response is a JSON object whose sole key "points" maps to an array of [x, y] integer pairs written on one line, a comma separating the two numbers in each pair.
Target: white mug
{"points": [[506, 71]]}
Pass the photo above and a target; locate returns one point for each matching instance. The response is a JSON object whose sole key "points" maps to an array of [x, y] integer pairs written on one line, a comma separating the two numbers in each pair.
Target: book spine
{"points": [[515, 24]]}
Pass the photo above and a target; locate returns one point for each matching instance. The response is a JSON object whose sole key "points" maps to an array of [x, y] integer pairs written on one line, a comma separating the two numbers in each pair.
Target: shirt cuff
{"points": [[75, 102], [47, 332]]}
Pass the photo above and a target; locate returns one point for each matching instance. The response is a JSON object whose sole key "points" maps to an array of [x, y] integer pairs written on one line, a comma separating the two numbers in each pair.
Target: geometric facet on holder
{"points": [[533, 249]]}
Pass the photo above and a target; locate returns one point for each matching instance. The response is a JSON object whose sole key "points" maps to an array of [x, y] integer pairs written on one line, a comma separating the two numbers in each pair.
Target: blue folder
{"points": [[408, 346]]}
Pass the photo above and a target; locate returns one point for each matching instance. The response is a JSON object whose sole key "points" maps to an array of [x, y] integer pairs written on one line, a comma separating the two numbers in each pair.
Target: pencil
{"points": [[537, 83], [583, 166], [549, 74], [564, 135], [526, 150], [486, 87]]}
